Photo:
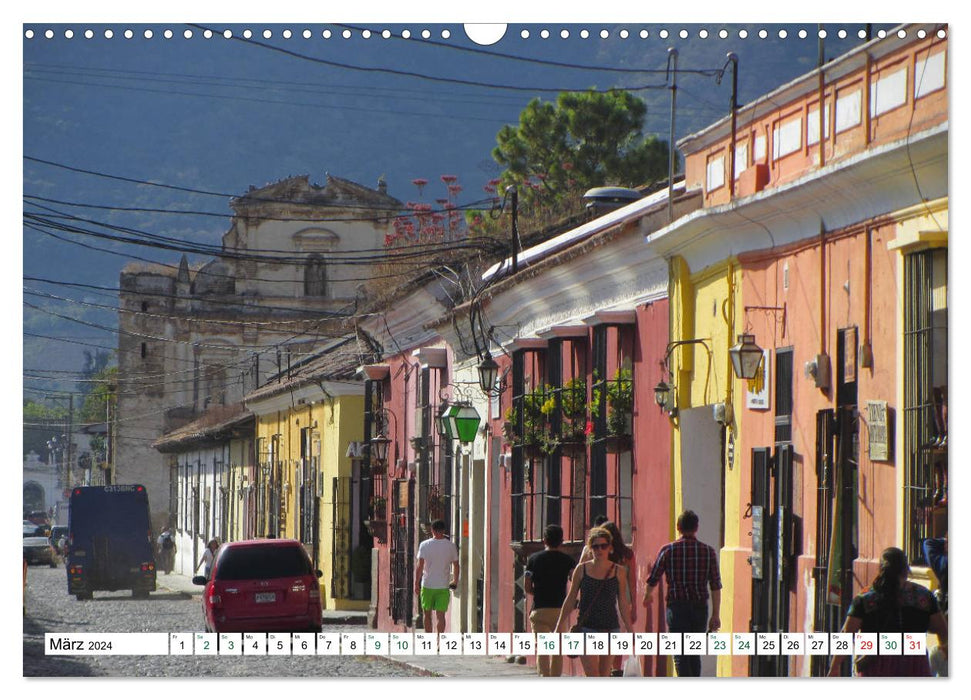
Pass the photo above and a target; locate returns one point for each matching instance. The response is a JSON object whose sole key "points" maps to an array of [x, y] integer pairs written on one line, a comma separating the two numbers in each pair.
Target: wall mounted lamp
{"points": [[746, 356], [379, 443], [490, 381], [664, 397], [459, 421]]}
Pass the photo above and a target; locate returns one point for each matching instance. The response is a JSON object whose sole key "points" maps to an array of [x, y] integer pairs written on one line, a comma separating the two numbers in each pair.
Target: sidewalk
{"points": [[443, 666]]}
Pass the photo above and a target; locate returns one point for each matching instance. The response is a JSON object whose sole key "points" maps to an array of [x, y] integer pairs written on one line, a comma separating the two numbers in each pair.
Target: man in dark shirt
{"points": [[690, 568], [547, 573]]}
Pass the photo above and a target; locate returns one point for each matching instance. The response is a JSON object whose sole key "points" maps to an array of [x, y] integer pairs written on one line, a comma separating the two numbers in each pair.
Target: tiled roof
{"points": [[214, 424], [338, 361]]}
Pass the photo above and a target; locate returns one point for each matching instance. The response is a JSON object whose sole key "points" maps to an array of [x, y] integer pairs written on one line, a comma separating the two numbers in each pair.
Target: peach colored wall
{"points": [[911, 117], [828, 289]]}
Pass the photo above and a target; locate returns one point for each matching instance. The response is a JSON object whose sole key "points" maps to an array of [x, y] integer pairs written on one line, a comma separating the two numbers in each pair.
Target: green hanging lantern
{"points": [[459, 422]]}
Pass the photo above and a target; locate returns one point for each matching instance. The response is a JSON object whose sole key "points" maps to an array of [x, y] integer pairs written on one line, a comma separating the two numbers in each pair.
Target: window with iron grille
{"points": [[276, 468], [307, 487], [783, 396], [374, 488], [529, 433], [173, 493], [925, 458], [566, 486], [611, 408]]}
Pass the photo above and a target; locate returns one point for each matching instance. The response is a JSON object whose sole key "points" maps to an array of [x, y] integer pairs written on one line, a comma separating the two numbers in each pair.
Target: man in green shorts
{"points": [[435, 556]]}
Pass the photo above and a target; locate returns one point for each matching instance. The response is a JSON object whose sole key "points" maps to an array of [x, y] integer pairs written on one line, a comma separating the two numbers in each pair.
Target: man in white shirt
{"points": [[432, 584]]}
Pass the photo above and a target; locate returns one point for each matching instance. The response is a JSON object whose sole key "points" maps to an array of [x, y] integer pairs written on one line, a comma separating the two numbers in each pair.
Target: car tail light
{"points": [[214, 597], [148, 566], [314, 593], [76, 570]]}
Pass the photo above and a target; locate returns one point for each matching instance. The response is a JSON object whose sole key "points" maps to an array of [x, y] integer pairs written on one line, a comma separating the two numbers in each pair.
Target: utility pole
{"points": [[672, 59], [515, 227], [70, 439]]}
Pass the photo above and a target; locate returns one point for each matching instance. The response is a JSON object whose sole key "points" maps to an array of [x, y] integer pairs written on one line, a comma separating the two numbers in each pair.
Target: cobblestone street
{"points": [[51, 609]]}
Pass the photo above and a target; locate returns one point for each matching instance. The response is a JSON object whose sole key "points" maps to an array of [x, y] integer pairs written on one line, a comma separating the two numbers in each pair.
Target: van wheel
{"points": [[53, 564], [85, 596]]}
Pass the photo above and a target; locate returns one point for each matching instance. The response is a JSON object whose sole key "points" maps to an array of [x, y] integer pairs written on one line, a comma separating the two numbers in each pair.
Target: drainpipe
{"points": [[866, 352], [733, 59]]}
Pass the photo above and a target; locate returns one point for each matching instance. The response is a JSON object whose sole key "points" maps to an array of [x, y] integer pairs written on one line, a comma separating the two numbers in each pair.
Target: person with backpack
{"points": [[166, 550]]}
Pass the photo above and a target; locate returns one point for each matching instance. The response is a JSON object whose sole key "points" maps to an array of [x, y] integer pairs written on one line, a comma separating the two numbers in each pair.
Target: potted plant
{"points": [[618, 396], [536, 407], [573, 409], [378, 507], [418, 443], [620, 402], [378, 524]]}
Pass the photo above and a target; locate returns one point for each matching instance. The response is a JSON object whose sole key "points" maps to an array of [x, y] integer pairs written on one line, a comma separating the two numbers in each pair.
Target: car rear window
{"points": [[261, 562]]}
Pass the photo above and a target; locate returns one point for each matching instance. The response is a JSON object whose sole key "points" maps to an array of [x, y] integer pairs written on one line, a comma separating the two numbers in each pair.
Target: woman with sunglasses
{"points": [[602, 588]]}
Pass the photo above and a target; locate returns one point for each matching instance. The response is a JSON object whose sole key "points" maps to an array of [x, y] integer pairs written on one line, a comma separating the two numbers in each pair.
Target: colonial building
{"points": [[823, 236], [310, 483], [289, 270], [210, 471], [572, 429]]}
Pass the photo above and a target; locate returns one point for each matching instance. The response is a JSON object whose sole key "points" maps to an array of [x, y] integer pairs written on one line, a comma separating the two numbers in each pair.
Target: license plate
{"points": [[266, 597]]}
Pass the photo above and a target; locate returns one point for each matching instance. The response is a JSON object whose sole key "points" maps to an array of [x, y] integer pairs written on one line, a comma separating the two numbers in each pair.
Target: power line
{"points": [[248, 197], [160, 295], [531, 60], [276, 256], [249, 83], [289, 103], [269, 325], [423, 76]]}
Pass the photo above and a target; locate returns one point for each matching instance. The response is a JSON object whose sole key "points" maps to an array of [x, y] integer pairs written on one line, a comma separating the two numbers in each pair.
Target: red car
{"points": [[261, 586]]}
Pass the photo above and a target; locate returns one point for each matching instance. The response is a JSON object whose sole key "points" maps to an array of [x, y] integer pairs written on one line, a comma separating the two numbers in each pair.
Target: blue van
{"points": [[109, 541]]}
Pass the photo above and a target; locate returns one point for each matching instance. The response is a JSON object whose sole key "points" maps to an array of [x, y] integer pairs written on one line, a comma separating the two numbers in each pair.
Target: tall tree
{"points": [[584, 140]]}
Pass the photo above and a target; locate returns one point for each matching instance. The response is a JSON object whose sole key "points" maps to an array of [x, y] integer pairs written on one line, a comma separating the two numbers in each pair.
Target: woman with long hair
{"points": [[623, 555], [893, 604], [602, 588]]}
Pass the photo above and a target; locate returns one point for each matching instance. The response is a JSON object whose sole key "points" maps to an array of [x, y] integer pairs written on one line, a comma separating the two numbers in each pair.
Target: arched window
{"points": [[315, 277]]}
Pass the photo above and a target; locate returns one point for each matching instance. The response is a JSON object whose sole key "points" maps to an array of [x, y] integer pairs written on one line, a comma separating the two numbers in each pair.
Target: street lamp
{"points": [[379, 447], [379, 444], [488, 373], [459, 421], [746, 357], [664, 397]]}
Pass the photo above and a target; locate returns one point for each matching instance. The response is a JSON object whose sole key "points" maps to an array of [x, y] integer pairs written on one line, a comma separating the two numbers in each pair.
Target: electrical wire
{"points": [[421, 76]]}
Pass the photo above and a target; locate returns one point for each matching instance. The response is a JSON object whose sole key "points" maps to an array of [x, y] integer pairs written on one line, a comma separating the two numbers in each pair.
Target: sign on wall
{"points": [[878, 427], [757, 389]]}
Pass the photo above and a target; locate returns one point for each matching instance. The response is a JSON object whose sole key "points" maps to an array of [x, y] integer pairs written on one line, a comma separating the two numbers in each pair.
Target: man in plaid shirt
{"points": [[690, 568]]}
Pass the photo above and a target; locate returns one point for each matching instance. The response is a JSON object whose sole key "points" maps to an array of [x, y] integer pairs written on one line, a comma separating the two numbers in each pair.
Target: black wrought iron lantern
{"points": [[379, 447], [488, 373]]}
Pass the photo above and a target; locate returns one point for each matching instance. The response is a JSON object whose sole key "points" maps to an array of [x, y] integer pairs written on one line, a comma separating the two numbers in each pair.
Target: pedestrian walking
{"points": [[602, 589], [166, 550], [624, 555], [893, 604], [547, 573], [433, 586], [690, 569], [207, 557]]}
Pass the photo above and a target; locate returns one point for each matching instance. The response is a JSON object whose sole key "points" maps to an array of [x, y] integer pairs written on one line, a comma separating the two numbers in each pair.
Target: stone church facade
{"points": [[194, 336]]}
